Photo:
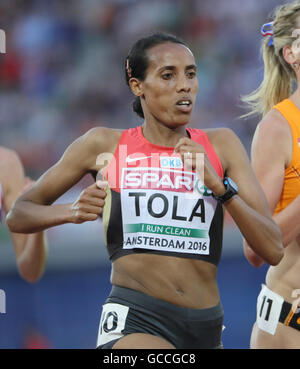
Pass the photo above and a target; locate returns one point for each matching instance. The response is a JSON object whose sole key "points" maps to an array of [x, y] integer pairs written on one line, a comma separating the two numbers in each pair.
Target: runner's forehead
{"points": [[170, 54]]}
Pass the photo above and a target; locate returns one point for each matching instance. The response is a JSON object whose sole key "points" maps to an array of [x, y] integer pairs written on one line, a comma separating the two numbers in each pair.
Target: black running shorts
{"points": [[128, 311]]}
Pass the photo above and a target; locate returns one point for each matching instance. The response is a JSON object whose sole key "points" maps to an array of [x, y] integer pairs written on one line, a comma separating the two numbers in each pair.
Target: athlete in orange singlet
{"points": [[276, 162]]}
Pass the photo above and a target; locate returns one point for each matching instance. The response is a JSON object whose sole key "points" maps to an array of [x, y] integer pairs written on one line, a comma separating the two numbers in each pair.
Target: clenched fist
{"points": [[192, 153], [89, 205]]}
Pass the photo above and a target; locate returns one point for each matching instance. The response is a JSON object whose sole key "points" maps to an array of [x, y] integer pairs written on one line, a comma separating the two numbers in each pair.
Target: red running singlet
{"points": [[155, 205]]}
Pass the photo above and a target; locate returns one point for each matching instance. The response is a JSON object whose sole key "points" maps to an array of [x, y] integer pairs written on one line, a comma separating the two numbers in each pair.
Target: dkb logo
{"points": [[2, 302], [2, 42]]}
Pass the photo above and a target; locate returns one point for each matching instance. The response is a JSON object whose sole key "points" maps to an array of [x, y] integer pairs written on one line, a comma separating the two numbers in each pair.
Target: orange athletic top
{"points": [[291, 186]]}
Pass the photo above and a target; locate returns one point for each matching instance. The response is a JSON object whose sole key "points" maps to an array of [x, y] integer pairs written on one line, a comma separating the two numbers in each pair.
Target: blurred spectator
{"points": [[34, 339]]}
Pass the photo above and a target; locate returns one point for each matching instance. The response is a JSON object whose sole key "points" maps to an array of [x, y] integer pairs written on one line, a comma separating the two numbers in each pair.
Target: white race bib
{"points": [[166, 210], [112, 322], [268, 310]]}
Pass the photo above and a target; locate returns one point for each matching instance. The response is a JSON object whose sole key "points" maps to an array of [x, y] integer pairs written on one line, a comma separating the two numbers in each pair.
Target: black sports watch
{"points": [[231, 190]]}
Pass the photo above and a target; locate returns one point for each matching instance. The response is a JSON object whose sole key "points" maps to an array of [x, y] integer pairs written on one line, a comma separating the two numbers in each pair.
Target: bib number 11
{"points": [[269, 306], [269, 302]]}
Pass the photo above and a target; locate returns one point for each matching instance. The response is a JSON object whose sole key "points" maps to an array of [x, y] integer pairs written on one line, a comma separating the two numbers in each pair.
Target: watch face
{"points": [[232, 183]]}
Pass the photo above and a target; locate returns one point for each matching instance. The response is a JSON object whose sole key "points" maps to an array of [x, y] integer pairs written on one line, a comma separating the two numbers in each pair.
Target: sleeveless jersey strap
{"points": [[292, 114]]}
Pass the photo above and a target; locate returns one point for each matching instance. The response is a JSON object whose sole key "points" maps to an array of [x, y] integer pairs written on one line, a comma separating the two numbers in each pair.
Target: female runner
{"points": [[163, 225], [30, 250], [276, 162]]}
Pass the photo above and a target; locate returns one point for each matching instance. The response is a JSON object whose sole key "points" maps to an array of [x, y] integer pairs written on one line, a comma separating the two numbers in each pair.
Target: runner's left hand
{"points": [[194, 157]]}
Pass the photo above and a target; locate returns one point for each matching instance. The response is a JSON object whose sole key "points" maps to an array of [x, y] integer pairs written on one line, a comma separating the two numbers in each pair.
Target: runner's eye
{"points": [[191, 74], [167, 76]]}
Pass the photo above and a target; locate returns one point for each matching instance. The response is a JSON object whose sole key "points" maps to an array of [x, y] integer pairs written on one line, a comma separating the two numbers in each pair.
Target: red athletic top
{"points": [[155, 205]]}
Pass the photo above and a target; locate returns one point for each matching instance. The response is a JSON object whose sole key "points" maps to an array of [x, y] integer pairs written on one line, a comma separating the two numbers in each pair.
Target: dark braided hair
{"points": [[136, 63]]}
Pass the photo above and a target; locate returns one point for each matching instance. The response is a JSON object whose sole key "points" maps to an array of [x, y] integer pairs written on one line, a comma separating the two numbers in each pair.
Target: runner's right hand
{"points": [[89, 205]]}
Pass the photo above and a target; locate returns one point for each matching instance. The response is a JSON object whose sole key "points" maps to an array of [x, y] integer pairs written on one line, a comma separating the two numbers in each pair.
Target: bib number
{"points": [[269, 306], [112, 322]]}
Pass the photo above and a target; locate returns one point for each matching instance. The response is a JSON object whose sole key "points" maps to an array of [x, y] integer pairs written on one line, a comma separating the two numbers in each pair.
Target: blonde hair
{"points": [[278, 74]]}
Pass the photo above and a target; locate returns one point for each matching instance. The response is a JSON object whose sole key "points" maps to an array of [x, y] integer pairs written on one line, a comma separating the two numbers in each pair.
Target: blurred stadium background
{"points": [[63, 74]]}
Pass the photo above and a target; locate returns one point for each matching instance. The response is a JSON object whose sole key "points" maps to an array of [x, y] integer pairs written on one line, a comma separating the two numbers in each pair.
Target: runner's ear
{"points": [[136, 87]]}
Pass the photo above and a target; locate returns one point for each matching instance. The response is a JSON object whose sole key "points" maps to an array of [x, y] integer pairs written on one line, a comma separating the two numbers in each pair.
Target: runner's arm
{"points": [[34, 211], [249, 208], [269, 161], [30, 250]]}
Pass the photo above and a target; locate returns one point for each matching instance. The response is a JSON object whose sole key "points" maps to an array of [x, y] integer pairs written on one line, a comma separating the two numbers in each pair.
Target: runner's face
{"points": [[171, 85]]}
